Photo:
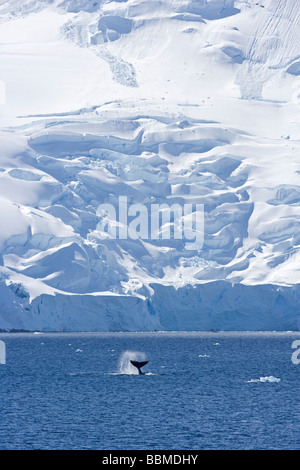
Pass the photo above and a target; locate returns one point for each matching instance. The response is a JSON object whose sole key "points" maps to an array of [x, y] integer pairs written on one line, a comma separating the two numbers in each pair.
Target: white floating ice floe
{"points": [[269, 379]]}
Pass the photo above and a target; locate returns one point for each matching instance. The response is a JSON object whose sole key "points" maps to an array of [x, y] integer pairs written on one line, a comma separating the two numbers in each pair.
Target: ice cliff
{"points": [[165, 102]]}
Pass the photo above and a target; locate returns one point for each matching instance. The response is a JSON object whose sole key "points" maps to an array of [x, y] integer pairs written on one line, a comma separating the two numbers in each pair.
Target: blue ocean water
{"points": [[199, 391]]}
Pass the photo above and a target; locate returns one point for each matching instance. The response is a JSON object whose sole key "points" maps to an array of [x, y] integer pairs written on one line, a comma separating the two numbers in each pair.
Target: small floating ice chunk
{"points": [[269, 379], [78, 350]]}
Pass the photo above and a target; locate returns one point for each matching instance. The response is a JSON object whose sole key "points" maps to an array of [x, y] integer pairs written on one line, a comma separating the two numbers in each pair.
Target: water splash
{"points": [[125, 367]]}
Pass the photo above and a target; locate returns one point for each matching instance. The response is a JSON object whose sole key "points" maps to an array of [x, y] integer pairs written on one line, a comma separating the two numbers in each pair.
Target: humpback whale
{"points": [[139, 365]]}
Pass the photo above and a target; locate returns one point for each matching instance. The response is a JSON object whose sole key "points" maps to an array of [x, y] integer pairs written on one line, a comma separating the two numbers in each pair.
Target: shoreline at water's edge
{"points": [[213, 306], [147, 332]]}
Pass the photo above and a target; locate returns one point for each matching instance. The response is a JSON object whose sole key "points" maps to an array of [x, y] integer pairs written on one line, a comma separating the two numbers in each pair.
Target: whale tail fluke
{"points": [[139, 365]]}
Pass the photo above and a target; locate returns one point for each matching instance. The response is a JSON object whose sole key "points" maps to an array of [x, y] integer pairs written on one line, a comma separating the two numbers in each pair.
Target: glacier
{"points": [[186, 102]]}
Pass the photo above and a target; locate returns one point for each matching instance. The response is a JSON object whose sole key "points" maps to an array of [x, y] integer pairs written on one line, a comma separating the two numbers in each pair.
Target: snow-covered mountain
{"points": [[164, 102]]}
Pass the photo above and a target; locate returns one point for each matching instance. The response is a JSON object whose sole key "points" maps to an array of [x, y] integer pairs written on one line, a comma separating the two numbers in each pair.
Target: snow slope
{"points": [[161, 101]]}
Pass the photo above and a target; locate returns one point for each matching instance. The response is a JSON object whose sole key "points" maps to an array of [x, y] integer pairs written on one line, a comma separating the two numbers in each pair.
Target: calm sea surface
{"points": [[199, 391]]}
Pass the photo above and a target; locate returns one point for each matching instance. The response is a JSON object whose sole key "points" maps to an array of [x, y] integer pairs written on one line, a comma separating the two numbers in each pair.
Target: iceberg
{"points": [[268, 379]]}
